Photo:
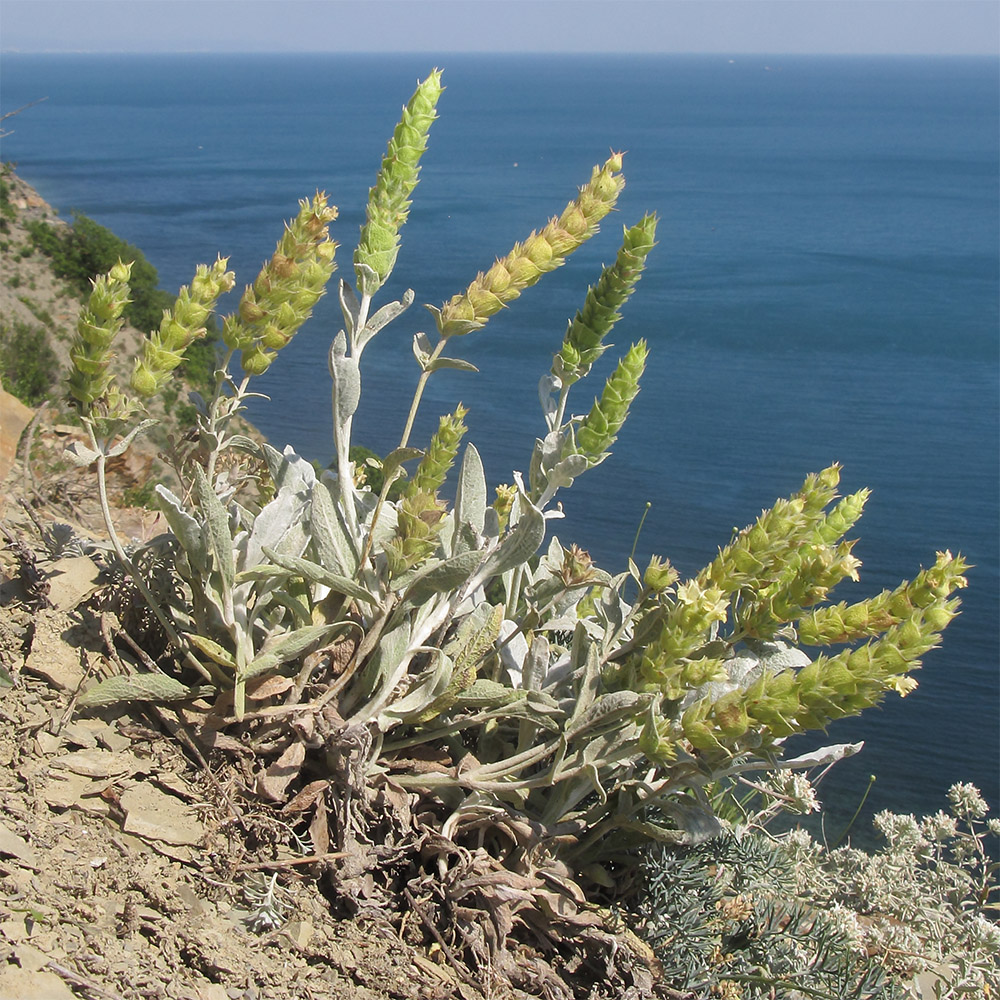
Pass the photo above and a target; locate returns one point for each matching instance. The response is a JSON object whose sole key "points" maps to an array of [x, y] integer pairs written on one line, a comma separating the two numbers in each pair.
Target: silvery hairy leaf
{"points": [[381, 318], [243, 443], [590, 678], [778, 656], [280, 525], [470, 496], [289, 470], [696, 819], [290, 602], [458, 364], [519, 545], [79, 454], [379, 677], [290, 646], [610, 606], [349, 305], [346, 377], [315, 573], [137, 687], [186, 529], [819, 758], [424, 689], [332, 544], [212, 649], [438, 576], [607, 710], [483, 693], [218, 540], [548, 395], [122, 445], [531, 708], [422, 349], [369, 281], [513, 651], [395, 459], [466, 539], [536, 663]]}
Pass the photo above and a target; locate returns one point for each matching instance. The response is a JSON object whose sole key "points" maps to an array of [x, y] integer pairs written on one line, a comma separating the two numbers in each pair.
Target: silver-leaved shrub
{"points": [[461, 654]]}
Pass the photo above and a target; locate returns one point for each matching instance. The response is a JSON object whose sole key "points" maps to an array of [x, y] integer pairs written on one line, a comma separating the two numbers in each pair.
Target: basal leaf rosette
{"points": [[276, 305], [541, 252]]}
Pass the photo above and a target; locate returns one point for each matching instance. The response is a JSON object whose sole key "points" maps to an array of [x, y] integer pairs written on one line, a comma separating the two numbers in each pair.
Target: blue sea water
{"points": [[825, 289]]}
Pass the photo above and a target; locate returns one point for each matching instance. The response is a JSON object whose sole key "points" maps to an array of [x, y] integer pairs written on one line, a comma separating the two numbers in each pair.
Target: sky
{"points": [[939, 27]]}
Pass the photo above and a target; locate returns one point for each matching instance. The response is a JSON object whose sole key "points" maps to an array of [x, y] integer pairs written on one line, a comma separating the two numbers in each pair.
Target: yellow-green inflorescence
{"points": [[282, 298], [441, 453], [541, 252], [583, 343], [99, 323], [767, 578], [164, 349], [389, 199], [420, 512], [598, 430], [926, 595]]}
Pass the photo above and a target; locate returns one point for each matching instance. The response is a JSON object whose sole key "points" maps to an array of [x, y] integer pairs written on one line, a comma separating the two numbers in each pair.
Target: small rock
{"points": [[12, 844], [72, 580], [155, 815], [26, 985], [51, 656], [97, 763], [14, 417]]}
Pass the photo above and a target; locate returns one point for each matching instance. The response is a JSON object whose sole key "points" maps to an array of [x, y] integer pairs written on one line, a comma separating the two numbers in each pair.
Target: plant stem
{"points": [[342, 431], [418, 393], [857, 812], [213, 413]]}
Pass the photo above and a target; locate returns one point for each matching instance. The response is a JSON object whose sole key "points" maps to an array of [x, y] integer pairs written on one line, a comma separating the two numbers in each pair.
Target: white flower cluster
{"points": [[967, 801], [794, 791]]}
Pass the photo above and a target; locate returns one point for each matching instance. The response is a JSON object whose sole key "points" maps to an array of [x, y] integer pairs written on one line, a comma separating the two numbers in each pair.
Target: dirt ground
{"points": [[121, 873]]}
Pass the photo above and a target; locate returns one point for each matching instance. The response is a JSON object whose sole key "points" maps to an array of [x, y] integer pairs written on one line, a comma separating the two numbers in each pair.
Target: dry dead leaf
{"points": [[268, 687], [276, 779], [302, 800]]}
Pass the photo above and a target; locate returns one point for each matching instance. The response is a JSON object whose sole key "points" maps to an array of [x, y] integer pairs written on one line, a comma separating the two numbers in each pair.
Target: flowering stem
{"points": [[857, 812], [407, 430], [214, 415], [424, 376], [342, 431]]}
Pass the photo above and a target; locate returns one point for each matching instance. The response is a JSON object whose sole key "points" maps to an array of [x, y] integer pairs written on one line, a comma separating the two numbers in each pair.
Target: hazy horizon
{"points": [[723, 27]]}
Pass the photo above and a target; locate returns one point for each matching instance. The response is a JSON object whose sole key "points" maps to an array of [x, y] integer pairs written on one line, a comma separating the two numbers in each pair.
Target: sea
{"points": [[824, 289]]}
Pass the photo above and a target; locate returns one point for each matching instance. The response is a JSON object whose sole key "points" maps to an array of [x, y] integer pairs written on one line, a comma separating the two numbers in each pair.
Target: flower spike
{"points": [[540, 252], [389, 199]]}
